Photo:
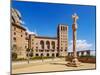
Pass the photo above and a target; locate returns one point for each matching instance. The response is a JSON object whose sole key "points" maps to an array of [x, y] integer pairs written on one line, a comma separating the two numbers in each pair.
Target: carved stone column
{"points": [[74, 61]]}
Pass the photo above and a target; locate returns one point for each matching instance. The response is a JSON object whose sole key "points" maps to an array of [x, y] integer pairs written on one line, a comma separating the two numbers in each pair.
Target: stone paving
{"points": [[47, 66]]}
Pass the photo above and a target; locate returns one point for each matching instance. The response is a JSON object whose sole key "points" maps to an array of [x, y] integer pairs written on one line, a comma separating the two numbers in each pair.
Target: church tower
{"points": [[62, 34]]}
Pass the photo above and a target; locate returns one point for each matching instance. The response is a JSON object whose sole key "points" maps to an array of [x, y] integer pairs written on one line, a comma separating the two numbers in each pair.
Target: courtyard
{"points": [[47, 65]]}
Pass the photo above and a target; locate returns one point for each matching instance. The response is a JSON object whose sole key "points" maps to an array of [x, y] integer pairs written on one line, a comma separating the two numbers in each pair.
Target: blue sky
{"points": [[45, 17]]}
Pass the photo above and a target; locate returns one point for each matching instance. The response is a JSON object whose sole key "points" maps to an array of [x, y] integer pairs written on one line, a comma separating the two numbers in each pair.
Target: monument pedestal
{"points": [[74, 63]]}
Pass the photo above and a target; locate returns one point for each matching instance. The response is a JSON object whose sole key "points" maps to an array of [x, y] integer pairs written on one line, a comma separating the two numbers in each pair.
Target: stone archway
{"points": [[53, 44], [48, 44], [42, 44]]}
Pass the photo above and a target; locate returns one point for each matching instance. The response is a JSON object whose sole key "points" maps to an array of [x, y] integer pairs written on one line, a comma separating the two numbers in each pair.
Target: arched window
{"points": [[53, 55], [57, 54], [61, 28], [53, 45], [41, 54], [48, 44], [37, 54], [42, 44], [48, 54]]}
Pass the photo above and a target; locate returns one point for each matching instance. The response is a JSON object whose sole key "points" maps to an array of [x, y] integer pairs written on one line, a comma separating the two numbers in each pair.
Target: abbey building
{"points": [[46, 46]]}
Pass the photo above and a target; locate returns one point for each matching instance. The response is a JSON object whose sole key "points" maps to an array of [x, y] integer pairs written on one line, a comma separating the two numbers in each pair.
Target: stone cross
{"points": [[75, 17], [74, 27], [74, 62]]}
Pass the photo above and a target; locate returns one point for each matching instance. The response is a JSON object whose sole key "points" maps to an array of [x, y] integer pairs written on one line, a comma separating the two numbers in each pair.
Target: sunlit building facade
{"points": [[46, 46]]}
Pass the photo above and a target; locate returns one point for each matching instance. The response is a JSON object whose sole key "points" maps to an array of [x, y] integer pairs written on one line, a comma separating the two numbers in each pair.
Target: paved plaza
{"points": [[46, 65]]}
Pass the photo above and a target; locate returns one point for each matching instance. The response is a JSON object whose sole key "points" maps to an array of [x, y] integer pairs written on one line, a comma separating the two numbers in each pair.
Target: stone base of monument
{"points": [[74, 63]]}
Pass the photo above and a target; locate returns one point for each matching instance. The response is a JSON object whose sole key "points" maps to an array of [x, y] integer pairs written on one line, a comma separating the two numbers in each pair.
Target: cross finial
{"points": [[75, 17]]}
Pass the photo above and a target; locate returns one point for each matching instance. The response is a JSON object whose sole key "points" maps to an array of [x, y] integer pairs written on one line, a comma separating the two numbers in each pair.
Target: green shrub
{"points": [[14, 56], [39, 57], [61, 56], [20, 59]]}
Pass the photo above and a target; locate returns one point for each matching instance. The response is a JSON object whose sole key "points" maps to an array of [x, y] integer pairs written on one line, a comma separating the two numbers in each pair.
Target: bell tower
{"points": [[62, 39]]}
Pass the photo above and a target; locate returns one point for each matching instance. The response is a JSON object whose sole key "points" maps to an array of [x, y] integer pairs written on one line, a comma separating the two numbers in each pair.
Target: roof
{"points": [[19, 26], [83, 51], [45, 37]]}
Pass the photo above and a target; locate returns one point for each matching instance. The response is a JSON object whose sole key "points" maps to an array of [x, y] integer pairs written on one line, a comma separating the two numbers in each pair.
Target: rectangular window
{"points": [[14, 33], [21, 35], [36, 47], [14, 39], [21, 31], [26, 34], [14, 28], [36, 50], [25, 46]]}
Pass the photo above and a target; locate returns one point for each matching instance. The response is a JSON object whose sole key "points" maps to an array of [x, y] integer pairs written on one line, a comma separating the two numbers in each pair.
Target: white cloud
{"points": [[22, 22], [30, 32], [80, 45]]}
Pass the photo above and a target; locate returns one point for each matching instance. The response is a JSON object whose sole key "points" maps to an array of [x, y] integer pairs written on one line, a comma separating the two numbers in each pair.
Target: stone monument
{"points": [[74, 61]]}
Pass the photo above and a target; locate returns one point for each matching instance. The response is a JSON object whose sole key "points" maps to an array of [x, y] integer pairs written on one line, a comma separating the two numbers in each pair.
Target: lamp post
{"points": [[28, 57], [27, 51], [29, 54], [42, 57]]}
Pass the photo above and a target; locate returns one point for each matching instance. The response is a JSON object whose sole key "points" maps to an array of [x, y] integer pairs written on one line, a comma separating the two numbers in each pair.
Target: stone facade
{"points": [[62, 37], [83, 53], [50, 46], [21, 40], [43, 46]]}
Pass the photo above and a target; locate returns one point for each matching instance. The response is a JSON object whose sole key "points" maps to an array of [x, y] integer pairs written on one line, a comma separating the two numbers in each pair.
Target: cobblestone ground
{"points": [[46, 66]]}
